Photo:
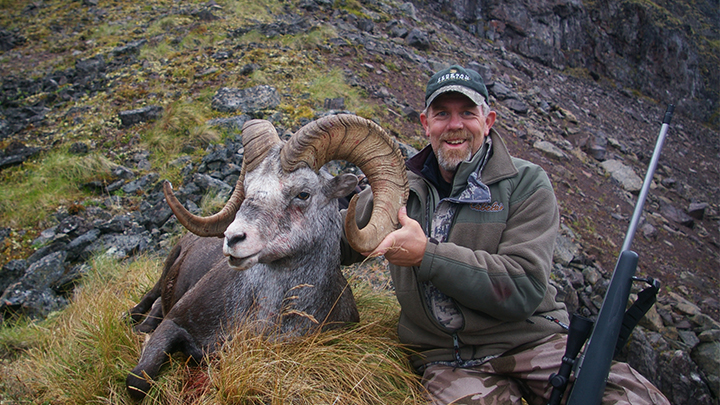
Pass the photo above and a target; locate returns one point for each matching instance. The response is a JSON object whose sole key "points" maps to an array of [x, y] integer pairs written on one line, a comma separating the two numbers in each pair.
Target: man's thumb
{"points": [[402, 215]]}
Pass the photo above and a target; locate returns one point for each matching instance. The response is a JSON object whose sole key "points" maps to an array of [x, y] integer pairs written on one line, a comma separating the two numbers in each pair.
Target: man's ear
{"points": [[424, 121], [490, 120]]}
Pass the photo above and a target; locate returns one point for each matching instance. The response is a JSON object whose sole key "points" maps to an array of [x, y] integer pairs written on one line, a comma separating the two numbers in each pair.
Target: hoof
{"points": [[137, 387]]}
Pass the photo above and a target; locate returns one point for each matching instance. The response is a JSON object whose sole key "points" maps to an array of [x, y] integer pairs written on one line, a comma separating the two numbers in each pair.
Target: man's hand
{"points": [[405, 246]]}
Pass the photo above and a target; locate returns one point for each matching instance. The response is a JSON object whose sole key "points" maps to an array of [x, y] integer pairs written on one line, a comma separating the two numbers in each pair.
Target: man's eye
{"points": [[303, 196]]}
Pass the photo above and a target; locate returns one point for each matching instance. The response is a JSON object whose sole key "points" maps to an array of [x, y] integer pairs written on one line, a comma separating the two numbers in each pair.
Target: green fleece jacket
{"points": [[495, 264]]}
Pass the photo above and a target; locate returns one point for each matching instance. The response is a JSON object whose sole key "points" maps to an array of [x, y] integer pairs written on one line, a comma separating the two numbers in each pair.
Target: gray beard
{"points": [[451, 161]]}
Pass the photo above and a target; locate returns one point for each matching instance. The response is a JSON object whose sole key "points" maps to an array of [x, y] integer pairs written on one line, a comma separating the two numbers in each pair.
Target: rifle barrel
{"points": [[637, 214]]}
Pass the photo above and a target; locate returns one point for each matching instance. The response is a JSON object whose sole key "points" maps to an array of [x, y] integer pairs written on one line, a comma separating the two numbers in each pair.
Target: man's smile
{"points": [[455, 142]]}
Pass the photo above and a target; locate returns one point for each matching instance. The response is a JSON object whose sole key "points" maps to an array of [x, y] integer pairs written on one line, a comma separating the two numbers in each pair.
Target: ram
{"points": [[271, 257]]}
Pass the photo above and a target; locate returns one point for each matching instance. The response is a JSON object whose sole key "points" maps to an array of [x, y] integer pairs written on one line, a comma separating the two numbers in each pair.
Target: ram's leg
{"points": [[153, 318], [167, 339], [137, 313]]}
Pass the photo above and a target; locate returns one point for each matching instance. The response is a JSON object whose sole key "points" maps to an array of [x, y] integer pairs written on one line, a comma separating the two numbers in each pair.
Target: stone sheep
{"points": [[271, 257]]}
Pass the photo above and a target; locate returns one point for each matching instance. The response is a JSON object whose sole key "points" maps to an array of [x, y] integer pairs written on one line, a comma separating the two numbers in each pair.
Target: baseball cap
{"points": [[459, 79]]}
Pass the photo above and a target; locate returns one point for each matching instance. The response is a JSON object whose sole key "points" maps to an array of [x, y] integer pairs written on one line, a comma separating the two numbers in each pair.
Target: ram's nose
{"points": [[232, 239]]}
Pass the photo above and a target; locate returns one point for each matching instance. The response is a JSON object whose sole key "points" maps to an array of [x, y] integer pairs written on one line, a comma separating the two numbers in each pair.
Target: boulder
{"points": [[623, 175], [249, 101]]}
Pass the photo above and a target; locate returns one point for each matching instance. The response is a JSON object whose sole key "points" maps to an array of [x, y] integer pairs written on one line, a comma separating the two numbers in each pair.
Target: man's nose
{"points": [[456, 122]]}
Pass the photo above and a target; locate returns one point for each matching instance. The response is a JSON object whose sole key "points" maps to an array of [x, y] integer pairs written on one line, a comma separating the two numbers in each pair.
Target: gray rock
{"points": [[516, 105], [595, 145], [641, 353], [409, 9], [689, 338], [45, 271], [72, 226], [366, 25], [648, 231], [249, 101], [131, 48], [209, 184], [418, 39], [681, 380], [11, 272], [88, 69], [705, 322], [31, 302], [502, 92], [10, 40], [234, 124], [78, 245], [550, 149], [712, 335], [396, 30], [123, 173], [676, 215], [697, 210], [118, 224], [158, 214], [334, 103], [623, 175], [591, 275], [17, 153], [565, 250], [117, 246], [136, 186], [131, 117], [56, 246]]}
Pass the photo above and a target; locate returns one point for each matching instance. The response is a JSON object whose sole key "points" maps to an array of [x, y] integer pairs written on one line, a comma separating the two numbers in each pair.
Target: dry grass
{"points": [[83, 354]]}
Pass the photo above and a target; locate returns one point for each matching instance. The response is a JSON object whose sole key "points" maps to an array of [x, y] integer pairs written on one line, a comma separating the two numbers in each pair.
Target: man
{"points": [[472, 259]]}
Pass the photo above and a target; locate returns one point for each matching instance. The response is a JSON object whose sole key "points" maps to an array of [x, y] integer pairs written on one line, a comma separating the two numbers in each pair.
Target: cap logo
{"points": [[453, 75]]}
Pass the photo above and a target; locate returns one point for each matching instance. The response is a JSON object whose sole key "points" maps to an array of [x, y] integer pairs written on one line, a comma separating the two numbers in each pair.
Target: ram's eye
{"points": [[303, 195]]}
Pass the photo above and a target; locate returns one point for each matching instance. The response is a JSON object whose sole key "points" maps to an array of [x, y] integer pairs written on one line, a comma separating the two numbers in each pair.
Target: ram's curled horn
{"points": [[258, 137], [367, 145]]}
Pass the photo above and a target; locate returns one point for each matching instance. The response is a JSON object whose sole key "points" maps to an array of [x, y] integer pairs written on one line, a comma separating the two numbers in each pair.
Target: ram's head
{"points": [[339, 137]]}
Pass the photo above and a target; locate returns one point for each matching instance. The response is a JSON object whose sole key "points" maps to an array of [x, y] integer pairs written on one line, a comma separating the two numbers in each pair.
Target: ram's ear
{"points": [[340, 185]]}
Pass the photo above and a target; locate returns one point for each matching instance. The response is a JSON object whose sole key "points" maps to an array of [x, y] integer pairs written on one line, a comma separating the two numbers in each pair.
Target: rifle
{"points": [[613, 325]]}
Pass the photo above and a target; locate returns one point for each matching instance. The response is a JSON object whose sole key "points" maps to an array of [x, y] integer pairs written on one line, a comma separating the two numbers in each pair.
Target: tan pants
{"points": [[524, 374]]}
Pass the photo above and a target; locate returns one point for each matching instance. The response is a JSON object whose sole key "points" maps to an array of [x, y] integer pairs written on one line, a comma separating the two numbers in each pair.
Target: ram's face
{"points": [[283, 213]]}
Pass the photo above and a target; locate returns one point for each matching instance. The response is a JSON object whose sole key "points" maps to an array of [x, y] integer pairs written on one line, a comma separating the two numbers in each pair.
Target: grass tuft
{"points": [[182, 123]]}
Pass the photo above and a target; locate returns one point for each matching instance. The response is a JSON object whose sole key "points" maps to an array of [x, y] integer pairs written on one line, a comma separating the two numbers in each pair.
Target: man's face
{"points": [[456, 128]]}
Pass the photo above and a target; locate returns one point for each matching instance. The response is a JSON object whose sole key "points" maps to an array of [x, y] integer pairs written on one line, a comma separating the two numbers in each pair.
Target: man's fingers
{"points": [[381, 248]]}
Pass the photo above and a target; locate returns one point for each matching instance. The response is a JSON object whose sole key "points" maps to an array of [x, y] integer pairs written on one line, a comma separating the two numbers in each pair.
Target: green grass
{"points": [[31, 192], [182, 123], [253, 10], [83, 354]]}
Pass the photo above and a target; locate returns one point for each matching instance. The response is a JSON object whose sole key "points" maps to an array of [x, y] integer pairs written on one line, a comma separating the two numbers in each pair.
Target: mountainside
{"points": [[100, 100]]}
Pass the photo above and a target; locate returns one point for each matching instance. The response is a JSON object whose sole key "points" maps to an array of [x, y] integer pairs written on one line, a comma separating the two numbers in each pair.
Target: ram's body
{"points": [[282, 272]]}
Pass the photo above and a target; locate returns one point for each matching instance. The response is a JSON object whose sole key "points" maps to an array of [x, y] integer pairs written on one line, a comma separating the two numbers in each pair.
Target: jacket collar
{"points": [[500, 166]]}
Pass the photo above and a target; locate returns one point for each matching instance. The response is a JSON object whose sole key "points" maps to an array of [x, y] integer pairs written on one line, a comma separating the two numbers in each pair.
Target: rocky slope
{"points": [[665, 49], [591, 126]]}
